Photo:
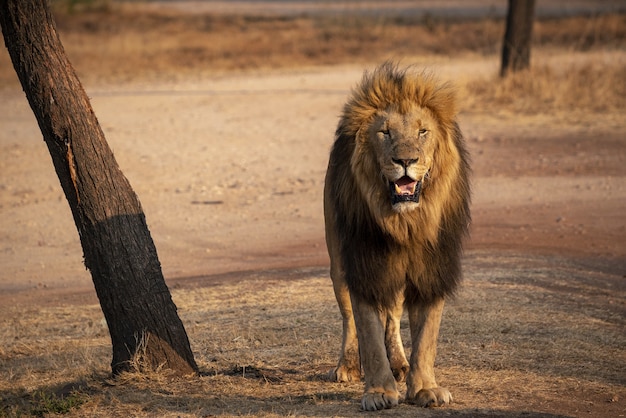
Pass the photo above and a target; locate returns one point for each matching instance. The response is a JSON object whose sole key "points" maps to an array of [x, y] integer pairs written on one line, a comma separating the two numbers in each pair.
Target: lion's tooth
{"points": [[398, 190]]}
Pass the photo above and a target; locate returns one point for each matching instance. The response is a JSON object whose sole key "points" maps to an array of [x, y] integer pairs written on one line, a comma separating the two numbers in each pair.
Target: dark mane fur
{"points": [[377, 262]]}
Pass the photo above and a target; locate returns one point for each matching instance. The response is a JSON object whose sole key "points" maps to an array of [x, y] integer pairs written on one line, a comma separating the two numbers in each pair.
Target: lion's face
{"points": [[403, 146]]}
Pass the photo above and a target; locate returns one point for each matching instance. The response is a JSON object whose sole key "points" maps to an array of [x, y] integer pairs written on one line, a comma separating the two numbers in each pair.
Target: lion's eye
{"points": [[423, 132], [385, 132]]}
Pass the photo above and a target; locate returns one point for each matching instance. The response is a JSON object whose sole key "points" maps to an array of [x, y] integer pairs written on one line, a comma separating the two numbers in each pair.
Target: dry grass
{"points": [[125, 42], [581, 87], [512, 341], [122, 43]]}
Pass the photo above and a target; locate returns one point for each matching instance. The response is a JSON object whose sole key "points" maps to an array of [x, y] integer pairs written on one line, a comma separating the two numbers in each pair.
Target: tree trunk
{"points": [[517, 37], [118, 249]]}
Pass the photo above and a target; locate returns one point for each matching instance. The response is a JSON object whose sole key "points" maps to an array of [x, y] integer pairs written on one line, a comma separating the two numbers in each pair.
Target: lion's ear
{"points": [[361, 136], [360, 147]]}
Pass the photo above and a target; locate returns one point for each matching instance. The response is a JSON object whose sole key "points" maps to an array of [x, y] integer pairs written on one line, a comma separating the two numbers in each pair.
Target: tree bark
{"points": [[118, 249], [517, 37]]}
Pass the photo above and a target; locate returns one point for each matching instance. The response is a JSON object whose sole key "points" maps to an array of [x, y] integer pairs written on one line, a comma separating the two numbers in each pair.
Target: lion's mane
{"points": [[383, 251]]}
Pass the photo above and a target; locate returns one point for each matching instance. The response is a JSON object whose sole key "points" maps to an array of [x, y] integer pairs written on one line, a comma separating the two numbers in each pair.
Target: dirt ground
{"points": [[229, 170], [230, 174]]}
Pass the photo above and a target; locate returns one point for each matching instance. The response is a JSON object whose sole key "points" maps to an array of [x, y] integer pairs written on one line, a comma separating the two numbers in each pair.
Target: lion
{"points": [[396, 209]]}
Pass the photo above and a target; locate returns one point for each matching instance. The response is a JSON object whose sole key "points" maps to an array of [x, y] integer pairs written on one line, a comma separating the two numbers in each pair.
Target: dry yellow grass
{"points": [[119, 43], [122, 43], [583, 87], [264, 343]]}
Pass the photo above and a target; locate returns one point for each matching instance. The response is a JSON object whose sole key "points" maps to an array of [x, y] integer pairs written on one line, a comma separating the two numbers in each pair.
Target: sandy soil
{"points": [[230, 173]]}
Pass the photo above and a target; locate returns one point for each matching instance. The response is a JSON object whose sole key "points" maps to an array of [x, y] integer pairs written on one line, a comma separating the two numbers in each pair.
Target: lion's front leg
{"points": [[349, 366], [380, 385], [422, 389], [393, 341]]}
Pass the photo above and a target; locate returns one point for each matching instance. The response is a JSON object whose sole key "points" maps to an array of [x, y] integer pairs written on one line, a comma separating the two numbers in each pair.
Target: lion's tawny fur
{"points": [[380, 248], [389, 244]]}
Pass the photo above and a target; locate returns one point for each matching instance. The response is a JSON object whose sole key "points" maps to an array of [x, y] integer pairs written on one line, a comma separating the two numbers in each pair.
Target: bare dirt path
{"points": [[230, 174]]}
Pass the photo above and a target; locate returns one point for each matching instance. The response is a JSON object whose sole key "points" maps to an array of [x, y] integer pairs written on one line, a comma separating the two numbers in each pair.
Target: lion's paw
{"points": [[375, 400], [431, 397], [343, 374], [400, 371]]}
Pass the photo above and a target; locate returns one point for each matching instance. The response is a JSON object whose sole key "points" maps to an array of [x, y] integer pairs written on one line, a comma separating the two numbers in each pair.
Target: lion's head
{"points": [[407, 161], [403, 147]]}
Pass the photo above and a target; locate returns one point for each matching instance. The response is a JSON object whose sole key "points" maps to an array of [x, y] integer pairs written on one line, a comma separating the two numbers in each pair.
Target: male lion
{"points": [[396, 205]]}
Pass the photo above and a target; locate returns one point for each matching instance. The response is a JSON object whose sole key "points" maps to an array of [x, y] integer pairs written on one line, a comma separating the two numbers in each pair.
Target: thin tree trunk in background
{"points": [[517, 37], [118, 249]]}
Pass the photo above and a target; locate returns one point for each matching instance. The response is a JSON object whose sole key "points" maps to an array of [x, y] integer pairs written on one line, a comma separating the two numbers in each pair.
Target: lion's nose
{"points": [[404, 162]]}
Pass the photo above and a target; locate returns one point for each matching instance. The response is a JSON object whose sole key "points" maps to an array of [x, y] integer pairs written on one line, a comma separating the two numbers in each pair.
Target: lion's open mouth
{"points": [[405, 189]]}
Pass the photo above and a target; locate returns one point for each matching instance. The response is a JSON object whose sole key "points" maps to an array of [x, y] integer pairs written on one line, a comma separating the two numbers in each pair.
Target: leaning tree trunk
{"points": [[517, 37], [118, 249]]}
